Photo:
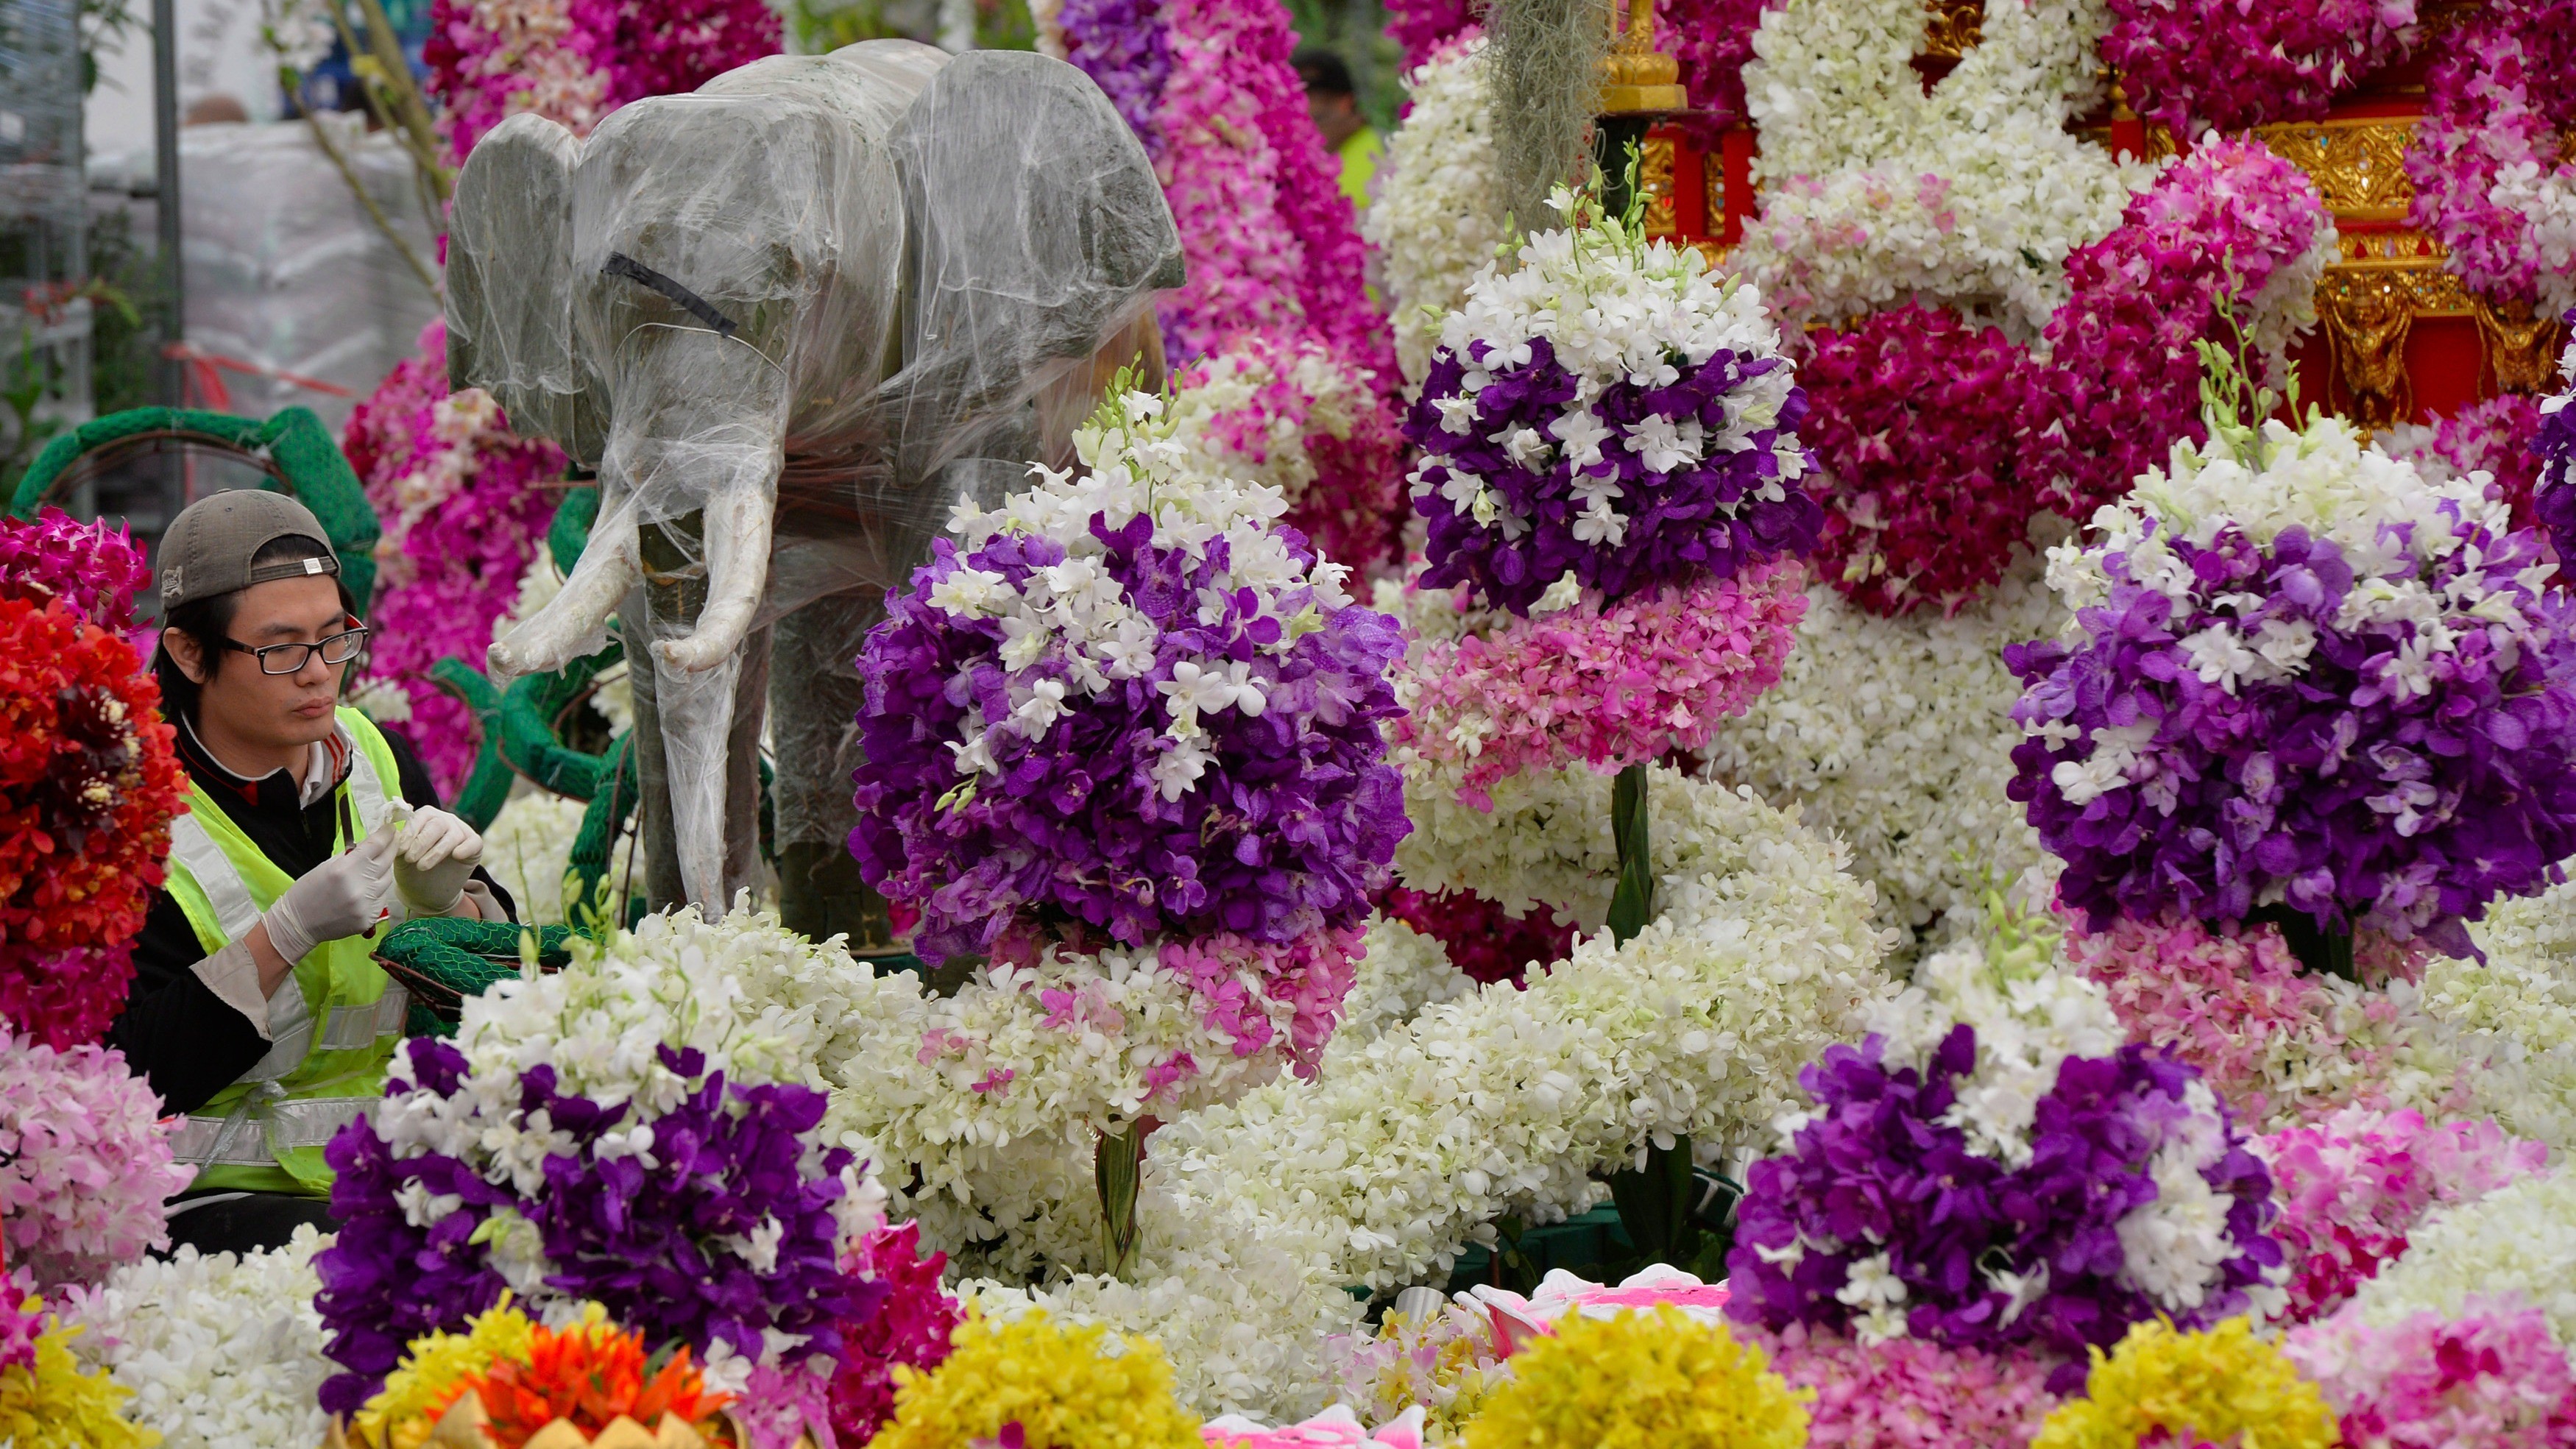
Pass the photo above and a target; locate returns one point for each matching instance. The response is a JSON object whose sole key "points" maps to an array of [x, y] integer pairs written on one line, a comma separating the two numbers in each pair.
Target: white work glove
{"points": [[342, 897], [433, 856]]}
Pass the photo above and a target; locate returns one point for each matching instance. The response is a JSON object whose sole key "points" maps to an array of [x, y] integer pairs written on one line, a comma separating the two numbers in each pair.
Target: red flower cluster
{"points": [[1483, 940], [1917, 419], [1943, 440], [910, 1327], [590, 1375], [88, 783]]}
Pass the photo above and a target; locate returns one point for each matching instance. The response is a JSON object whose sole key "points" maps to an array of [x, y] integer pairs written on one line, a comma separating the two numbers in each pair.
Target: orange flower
{"points": [[591, 1374]]}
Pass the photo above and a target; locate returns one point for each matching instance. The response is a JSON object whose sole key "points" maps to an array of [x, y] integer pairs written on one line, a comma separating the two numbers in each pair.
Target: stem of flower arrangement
{"points": [[1117, 1163], [1632, 904]]}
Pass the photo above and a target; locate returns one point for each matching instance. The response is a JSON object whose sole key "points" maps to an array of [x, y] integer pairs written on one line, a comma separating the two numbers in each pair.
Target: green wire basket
{"points": [[443, 961]]}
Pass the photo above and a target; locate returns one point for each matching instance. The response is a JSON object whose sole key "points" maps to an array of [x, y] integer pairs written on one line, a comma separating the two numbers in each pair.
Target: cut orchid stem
{"points": [[1632, 905], [1117, 1164], [2321, 951], [1655, 1205]]}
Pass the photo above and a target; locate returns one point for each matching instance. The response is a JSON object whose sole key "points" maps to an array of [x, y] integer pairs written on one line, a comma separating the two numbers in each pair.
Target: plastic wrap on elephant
{"points": [[787, 318]]}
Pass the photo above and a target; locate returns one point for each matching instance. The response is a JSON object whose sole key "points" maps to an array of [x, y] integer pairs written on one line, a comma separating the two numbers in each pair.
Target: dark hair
{"points": [[1323, 72], [209, 621]]}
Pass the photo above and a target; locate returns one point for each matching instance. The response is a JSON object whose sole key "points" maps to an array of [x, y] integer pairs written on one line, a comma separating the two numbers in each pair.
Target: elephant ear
{"points": [[1035, 231], [509, 285]]}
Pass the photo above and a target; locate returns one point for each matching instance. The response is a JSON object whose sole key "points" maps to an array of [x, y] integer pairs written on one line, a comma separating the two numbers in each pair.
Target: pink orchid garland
{"points": [[2501, 87], [2197, 65], [2231, 1001], [911, 1327], [2493, 1378], [2493, 436], [1485, 942], [2352, 1187], [1272, 246], [1654, 673], [85, 1161], [464, 505]]}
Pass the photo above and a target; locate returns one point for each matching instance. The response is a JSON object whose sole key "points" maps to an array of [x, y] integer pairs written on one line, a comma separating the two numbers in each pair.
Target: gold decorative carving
{"points": [[2521, 349], [1714, 251], [1655, 179], [2369, 320], [2359, 166], [1636, 77], [1712, 175], [1952, 28], [2413, 260]]}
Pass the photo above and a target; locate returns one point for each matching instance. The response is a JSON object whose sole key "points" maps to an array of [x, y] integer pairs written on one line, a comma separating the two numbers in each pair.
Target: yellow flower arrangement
{"points": [[2224, 1386], [1064, 1384], [1641, 1381], [403, 1414], [54, 1405]]}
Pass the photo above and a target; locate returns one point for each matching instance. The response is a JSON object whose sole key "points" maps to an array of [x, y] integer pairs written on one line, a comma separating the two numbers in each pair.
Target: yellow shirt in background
{"points": [[1359, 155]]}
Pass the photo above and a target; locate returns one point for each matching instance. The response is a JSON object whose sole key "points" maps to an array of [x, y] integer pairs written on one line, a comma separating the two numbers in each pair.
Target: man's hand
{"points": [[343, 896], [433, 856]]}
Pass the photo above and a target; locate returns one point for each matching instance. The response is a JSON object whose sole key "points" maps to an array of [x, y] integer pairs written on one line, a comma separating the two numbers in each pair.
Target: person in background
{"points": [[258, 1011], [1335, 103]]}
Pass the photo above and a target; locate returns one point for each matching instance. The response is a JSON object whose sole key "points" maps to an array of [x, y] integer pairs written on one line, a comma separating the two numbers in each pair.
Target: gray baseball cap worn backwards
{"points": [[210, 545]]}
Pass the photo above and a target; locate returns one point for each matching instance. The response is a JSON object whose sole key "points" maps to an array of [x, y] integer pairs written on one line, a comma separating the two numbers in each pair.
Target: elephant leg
{"points": [[814, 700], [662, 889]]}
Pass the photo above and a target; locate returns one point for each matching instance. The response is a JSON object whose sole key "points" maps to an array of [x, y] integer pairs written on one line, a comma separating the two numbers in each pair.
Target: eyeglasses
{"points": [[289, 658]]}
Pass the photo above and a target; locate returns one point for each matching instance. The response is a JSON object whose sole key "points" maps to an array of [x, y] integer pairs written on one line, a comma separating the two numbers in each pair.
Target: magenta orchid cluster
{"points": [[2489, 180], [577, 60], [2352, 1188], [2499, 436], [2130, 1194], [2199, 65], [1085, 715], [2302, 675], [2493, 1375], [714, 1218], [92, 569], [1917, 426], [464, 506], [1272, 246], [911, 1328], [2232, 224], [1423, 26], [1939, 440]]}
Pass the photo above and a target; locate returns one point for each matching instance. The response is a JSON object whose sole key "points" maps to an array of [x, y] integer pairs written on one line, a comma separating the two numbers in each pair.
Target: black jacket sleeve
{"points": [[179, 1035], [419, 791]]}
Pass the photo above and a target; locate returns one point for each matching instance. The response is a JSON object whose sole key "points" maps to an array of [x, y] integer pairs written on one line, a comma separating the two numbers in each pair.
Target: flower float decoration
{"points": [[2302, 678], [1991, 1168], [664, 1088], [88, 778]]}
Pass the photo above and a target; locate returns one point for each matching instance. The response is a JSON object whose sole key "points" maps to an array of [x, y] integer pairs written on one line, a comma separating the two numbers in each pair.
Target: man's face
{"points": [[276, 710], [1336, 116]]}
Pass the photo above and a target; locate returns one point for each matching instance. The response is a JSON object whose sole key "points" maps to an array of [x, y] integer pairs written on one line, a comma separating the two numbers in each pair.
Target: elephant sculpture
{"points": [[787, 319]]}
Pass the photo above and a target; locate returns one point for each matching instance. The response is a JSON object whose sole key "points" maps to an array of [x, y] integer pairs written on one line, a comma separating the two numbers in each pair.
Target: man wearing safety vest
{"points": [[258, 1011]]}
